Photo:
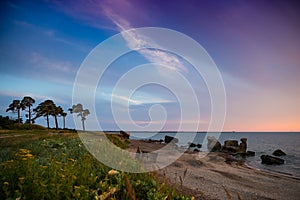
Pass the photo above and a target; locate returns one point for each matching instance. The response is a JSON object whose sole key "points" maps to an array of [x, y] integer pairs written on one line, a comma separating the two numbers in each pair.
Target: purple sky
{"points": [[255, 45]]}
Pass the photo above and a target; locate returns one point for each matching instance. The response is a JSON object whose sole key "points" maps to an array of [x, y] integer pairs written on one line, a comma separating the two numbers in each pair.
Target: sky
{"points": [[254, 44]]}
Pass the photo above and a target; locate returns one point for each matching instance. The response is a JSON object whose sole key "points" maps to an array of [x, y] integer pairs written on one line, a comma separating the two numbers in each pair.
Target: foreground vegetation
{"points": [[39, 165]]}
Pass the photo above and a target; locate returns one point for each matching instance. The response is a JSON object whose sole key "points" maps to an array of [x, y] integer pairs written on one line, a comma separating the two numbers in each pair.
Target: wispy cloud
{"points": [[141, 98], [141, 43], [35, 96], [51, 64]]}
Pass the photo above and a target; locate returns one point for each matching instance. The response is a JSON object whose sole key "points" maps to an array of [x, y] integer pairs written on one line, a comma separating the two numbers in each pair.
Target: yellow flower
{"points": [[25, 151], [43, 167], [21, 179], [10, 161], [6, 183], [59, 163], [63, 176], [29, 155], [24, 158], [63, 154], [76, 187], [113, 172], [71, 159]]}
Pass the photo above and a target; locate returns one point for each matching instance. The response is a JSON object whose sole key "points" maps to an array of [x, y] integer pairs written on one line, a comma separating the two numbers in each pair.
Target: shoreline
{"points": [[218, 174], [272, 172]]}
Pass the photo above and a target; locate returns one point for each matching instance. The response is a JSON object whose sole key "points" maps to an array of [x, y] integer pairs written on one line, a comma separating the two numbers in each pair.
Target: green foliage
{"points": [[118, 140], [59, 167]]}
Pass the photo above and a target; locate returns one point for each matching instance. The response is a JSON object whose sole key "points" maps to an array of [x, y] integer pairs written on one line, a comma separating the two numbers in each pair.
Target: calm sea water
{"points": [[260, 142]]}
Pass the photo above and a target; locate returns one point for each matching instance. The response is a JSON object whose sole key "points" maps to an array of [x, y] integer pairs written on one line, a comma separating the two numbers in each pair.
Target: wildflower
{"points": [[24, 151], [29, 155], [63, 154], [76, 187], [43, 167], [6, 183], [21, 179], [113, 172], [63, 176], [71, 159], [59, 163], [24, 158], [63, 170], [10, 161]]}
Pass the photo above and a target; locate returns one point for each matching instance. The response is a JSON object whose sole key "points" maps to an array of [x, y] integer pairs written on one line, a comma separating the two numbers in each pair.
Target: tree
{"points": [[28, 102], [16, 106], [83, 113], [44, 109], [55, 112], [64, 114]]}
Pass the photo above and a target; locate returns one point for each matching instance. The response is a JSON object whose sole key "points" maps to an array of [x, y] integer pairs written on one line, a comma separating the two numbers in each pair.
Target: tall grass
{"points": [[59, 167]]}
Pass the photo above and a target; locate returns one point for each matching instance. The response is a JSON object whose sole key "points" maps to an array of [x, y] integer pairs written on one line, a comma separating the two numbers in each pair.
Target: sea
{"points": [[260, 142]]}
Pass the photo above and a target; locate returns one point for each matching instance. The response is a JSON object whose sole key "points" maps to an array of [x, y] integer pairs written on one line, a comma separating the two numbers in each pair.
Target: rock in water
{"points": [[279, 152], [271, 160], [213, 144], [243, 145], [231, 143], [169, 139]]}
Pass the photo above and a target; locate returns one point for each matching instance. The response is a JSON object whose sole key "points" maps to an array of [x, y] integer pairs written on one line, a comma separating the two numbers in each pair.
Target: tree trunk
{"points": [[48, 121], [83, 128], [29, 117], [64, 121], [56, 122], [19, 119]]}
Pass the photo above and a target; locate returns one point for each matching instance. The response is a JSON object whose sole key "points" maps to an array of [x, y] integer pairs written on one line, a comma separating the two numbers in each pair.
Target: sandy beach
{"points": [[220, 176]]}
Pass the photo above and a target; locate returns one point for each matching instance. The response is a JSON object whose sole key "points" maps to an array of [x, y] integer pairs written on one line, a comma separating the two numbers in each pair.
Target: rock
{"points": [[195, 145], [196, 150], [243, 145], [213, 144], [271, 160], [250, 153], [233, 143], [125, 135], [232, 149], [169, 139], [192, 145], [279, 152]]}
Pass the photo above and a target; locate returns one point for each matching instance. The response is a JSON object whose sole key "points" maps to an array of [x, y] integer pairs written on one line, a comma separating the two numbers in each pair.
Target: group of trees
{"points": [[45, 109]]}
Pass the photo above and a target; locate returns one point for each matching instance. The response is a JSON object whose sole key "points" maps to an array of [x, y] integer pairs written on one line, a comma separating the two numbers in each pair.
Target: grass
{"points": [[39, 165]]}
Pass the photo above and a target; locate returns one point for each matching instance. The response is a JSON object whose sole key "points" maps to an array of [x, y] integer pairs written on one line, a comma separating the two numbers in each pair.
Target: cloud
{"points": [[35, 96], [51, 64], [141, 43], [138, 99]]}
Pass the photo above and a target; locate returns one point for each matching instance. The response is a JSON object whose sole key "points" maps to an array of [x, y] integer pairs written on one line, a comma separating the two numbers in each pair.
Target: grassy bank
{"points": [[39, 165]]}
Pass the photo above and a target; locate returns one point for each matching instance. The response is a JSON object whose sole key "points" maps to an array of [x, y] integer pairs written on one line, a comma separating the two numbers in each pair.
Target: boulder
{"points": [[125, 135], [192, 145], [233, 143], [169, 139], [271, 160], [243, 145], [213, 144], [199, 146], [279, 152], [250, 153]]}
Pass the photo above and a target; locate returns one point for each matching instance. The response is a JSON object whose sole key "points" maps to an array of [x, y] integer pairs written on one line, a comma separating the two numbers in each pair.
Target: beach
{"points": [[220, 176]]}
